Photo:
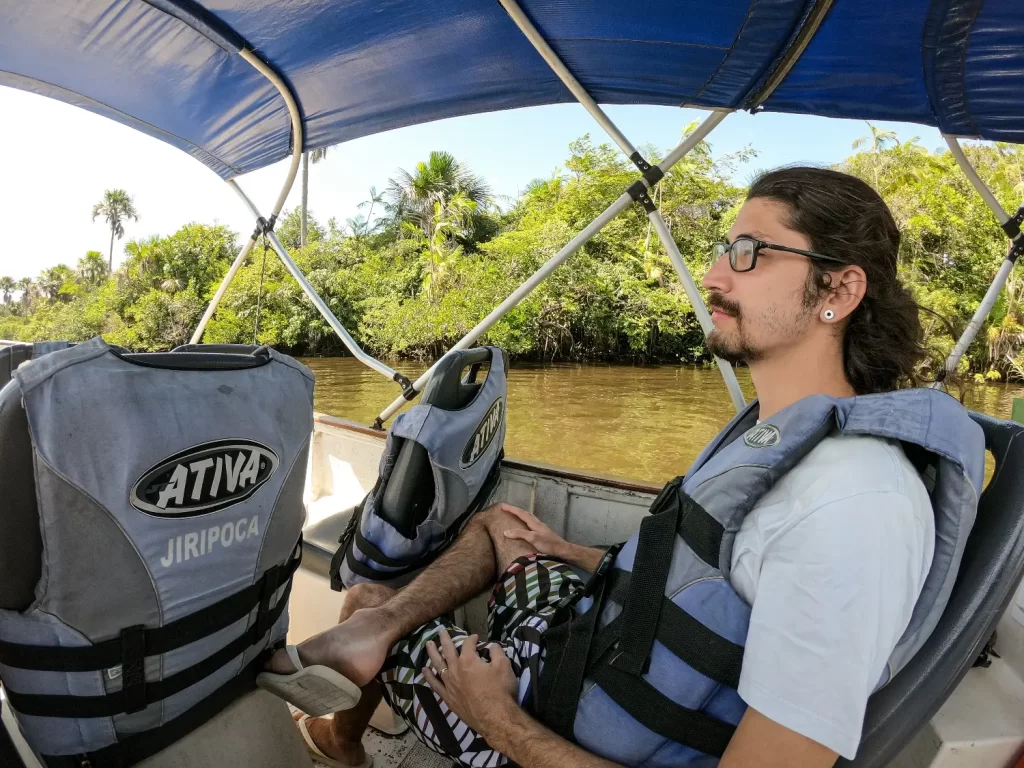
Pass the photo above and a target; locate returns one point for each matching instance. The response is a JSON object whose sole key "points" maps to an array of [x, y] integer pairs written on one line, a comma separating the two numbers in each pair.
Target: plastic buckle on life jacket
{"points": [[607, 559], [270, 584]]}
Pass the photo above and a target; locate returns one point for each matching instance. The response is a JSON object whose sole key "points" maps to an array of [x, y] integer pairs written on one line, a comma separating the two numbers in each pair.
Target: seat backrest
{"points": [[10, 358], [990, 571], [410, 490]]}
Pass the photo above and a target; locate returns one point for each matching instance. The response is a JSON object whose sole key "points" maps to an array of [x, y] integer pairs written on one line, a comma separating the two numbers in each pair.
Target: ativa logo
{"points": [[484, 433], [762, 436], [204, 479]]}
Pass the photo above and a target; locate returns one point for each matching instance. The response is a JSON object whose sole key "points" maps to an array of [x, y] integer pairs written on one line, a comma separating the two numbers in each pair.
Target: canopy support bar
{"points": [[1009, 224], [622, 203], [660, 226], [537, 41], [266, 228], [703, 316], [318, 302]]}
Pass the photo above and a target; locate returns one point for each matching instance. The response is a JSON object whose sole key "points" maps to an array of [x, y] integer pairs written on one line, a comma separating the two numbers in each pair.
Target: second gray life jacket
{"points": [[644, 671], [441, 463], [169, 494]]}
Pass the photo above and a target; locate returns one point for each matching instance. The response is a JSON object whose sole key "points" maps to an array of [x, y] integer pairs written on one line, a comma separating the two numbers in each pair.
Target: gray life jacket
{"points": [[169, 492], [644, 671], [456, 435]]}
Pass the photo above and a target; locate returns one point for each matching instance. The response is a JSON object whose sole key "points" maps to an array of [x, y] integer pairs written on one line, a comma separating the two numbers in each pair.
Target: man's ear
{"points": [[848, 286]]}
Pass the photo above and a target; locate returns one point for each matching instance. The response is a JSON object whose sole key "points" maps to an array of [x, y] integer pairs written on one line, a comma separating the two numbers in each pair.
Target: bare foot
{"points": [[356, 648], [322, 734]]}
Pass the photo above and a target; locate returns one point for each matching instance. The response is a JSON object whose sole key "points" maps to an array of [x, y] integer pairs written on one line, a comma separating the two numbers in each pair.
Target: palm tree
{"points": [[313, 157], [414, 197], [449, 221], [375, 199], [116, 207], [141, 252], [27, 288], [172, 285], [878, 138], [92, 268], [52, 280], [7, 286]]}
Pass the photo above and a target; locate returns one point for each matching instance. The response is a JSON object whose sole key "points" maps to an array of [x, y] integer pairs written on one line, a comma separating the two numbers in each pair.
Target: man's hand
{"points": [[546, 542], [483, 695], [475, 690], [536, 534]]}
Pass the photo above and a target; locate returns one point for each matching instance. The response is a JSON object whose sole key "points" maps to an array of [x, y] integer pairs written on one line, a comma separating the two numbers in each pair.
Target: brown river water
{"points": [[638, 422]]}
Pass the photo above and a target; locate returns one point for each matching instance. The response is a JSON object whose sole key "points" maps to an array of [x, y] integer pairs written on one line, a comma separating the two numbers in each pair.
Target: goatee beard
{"points": [[732, 353]]}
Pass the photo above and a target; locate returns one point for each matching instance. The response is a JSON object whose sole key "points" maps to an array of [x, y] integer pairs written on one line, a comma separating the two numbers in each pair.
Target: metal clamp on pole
{"points": [[1012, 228], [641, 193]]}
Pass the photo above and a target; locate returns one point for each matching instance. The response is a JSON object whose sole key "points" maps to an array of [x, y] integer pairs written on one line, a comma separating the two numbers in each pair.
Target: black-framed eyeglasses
{"points": [[743, 253]]}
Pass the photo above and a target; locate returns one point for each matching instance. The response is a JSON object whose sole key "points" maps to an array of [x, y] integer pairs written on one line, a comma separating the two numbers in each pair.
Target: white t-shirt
{"points": [[832, 560]]}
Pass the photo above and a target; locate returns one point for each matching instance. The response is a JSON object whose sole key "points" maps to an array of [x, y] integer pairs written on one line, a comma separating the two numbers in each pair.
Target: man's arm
{"points": [[763, 743], [483, 695], [758, 743], [523, 740]]}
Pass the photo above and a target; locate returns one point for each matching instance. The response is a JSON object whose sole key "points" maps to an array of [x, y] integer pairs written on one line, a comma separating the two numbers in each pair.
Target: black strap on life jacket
{"points": [[136, 747], [130, 649], [406, 566], [617, 656]]}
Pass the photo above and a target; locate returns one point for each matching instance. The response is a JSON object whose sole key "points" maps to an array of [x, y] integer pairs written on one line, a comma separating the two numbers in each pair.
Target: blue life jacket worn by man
{"points": [[644, 671], [167, 492]]}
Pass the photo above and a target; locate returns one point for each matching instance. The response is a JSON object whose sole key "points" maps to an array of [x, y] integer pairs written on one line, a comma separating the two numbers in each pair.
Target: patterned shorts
{"points": [[518, 612]]}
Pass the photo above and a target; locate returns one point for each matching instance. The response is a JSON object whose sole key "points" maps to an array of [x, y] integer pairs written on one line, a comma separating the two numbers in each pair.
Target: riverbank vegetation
{"points": [[435, 251]]}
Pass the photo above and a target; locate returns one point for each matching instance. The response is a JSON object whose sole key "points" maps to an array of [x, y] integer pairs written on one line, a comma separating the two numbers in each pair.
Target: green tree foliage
{"points": [[952, 245], [432, 256]]}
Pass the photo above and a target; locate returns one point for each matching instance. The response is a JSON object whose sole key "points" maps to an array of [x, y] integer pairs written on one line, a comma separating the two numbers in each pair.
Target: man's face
{"points": [[761, 312]]}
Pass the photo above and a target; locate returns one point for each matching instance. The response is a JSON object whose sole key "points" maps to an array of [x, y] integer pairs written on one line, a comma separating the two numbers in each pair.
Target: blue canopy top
{"points": [[170, 69]]}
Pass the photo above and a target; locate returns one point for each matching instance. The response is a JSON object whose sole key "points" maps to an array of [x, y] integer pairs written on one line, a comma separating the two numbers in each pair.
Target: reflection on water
{"points": [[642, 422]]}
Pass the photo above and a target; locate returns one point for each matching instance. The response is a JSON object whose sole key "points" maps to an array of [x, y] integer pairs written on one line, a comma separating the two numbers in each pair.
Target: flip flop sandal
{"points": [[320, 757], [387, 722], [316, 690]]}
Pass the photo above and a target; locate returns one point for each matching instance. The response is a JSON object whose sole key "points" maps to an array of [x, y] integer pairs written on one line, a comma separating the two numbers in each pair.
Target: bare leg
{"points": [[341, 737], [358, 647]]}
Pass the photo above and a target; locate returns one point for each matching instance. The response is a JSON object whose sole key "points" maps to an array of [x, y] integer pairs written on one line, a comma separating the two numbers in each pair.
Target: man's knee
{"points": [[495, 521], [364, 596]]}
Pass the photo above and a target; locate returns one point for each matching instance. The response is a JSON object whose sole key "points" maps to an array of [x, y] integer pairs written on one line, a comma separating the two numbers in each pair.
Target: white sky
{"points": [[58, 160]]}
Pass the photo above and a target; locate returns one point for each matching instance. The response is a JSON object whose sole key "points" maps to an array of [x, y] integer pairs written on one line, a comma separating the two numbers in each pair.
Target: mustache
{"points": [[718, 301]]}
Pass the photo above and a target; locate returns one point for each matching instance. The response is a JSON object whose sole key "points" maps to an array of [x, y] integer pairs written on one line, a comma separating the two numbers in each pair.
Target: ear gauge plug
{"points": [[829, 314]]}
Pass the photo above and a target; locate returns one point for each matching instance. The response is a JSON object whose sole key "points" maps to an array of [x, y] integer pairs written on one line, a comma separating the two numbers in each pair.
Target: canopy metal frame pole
{"points": [[1011, 225], [651, 177], [624, 201], [637, 192], [265, 227]]}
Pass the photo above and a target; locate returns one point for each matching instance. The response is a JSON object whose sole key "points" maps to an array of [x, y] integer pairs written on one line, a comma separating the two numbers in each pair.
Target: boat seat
{"points": [[410, 490], [991, 569], [15, 354], [257, 728]]}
